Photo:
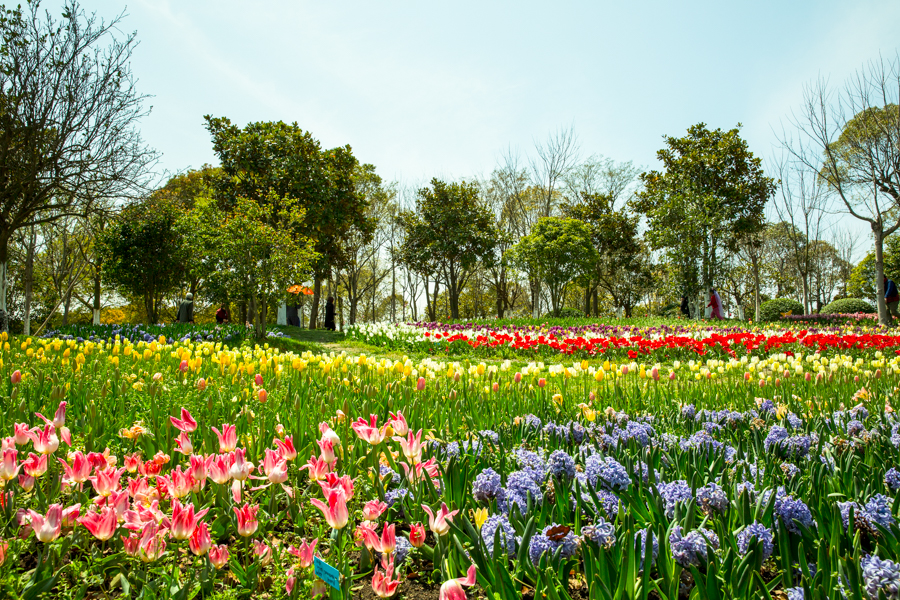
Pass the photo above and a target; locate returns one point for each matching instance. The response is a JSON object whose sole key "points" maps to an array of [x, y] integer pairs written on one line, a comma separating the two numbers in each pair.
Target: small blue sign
{"points": [[327, 573]]}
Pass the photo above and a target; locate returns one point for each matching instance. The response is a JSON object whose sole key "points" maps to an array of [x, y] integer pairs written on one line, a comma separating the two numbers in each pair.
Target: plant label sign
{"points": [[327, 573]]}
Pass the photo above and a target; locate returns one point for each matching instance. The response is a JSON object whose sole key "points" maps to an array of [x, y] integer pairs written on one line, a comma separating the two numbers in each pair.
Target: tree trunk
{"points": [[67, 303], [96, 306], [29, 279], [453, 297], [883, 317], [754, 259], [5, 234], [314, 309]]}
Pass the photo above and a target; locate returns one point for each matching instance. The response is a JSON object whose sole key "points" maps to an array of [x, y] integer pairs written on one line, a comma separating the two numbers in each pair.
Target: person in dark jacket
{"points": [[891, 298], [186, 310], [329, 314], [685, 307]]}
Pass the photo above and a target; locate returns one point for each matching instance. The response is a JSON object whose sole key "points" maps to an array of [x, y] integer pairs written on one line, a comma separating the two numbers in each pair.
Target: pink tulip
{"points": [[48, 528], [542, 382], [183, 444], [654, 373], [186, 423], [412, 447], [247, 520], [119, 502], [219, 469], [290, 582], [374, 509], [398, 423], [45, 440], [132, 544], [4, 547], [183, 367], [335, 511], [153, 543], [258, 379], [275, 467], [417, 535], [199, 466], [327, 448], [262, 395], [35, 465], [8, 467], [201, 384], [102, 525], [21, 433], [418, 471], [672, 376], [383, 584], [106, 481], [59, 422], [286, 448], [218, 555], [80, 469], [306, 552], [591, 397], [227, 438], [452, 589], [70, 515], [240, 468], [318, 468], [26, 482], [439, 524], [368, 430], [517, 377], [329, 434], [344, 483], [262, 551], [184, 521], [200, 541], [157, 377], [807, 377], [16, 377], [420, 385], [181, 482]]}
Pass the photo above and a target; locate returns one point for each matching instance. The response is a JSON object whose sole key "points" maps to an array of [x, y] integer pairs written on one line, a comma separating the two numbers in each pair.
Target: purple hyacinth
{"points": [[688, 412], [776, 435], [878, 509], [607, 473], [532, 463], [892, 479], [518, 486], [601, 533], [690, 549], [756, 532], [561, 465], [532, 422], [855, 428], [881, 575], [487, 486], [642, 553], [507, 534], [796, 593], [859, 412], [541, 543], [673, 493], [711, 499], [793, 513], [790, 470]]}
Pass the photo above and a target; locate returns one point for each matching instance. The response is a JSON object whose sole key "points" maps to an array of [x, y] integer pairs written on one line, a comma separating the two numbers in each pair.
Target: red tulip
{"points": [[335, 511], [439, 523], [8, 467], [16, 377], [306, 552], [383, 584], [46, 528], [106, 481], [200, 541], [373, 509], [184, 521], [417, 535]]}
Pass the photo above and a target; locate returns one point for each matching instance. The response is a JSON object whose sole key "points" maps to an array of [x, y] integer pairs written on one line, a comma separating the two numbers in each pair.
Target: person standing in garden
{"points": [[329, 314], [685, 307], [891, 298], [715, 302], [222, 315], [186, 310]]}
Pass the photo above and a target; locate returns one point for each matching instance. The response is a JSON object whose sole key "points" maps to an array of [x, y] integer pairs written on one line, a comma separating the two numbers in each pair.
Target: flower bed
{"points": [[191, 468]]}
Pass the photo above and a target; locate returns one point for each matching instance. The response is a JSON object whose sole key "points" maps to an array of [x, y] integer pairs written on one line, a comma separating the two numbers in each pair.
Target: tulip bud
{"points": [[417, 535], [263, 396], [517, 377], [16, 377]]}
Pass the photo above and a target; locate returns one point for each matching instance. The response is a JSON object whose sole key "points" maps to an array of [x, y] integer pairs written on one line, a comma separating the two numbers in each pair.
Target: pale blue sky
{"points": [[424, 89]]}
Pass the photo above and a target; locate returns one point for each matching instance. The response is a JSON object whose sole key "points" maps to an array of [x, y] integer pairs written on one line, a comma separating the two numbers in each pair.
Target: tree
{"points": [[852, 140], [255, 253], [558, 250], [143, 252], [621, 268], [449, 234], [68, 115], [712, 193], [276, 157]]}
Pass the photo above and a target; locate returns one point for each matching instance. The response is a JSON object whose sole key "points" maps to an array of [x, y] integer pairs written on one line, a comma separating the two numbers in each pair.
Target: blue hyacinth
{"points": [[601, 533], [712, 499], [561, 465], [507, 534], [673, 493], [881, 576], [541, 543], [756, 532], [690, 549], [892, 479], [487, 486]]}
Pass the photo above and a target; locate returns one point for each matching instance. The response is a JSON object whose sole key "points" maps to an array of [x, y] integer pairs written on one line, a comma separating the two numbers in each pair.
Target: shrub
{"points": [[847, 306], [772, 310]]}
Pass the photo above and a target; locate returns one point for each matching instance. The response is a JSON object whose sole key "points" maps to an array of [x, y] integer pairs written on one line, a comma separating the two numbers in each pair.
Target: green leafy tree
{"points": [[862, 278], [558, 250], [143, 253], [449, 234], [622, 267], [254, 253], [711, 194], [278, 157]]}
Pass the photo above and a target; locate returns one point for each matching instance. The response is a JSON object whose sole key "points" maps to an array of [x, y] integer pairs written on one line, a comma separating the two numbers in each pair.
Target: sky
{"points": [[425, 89]]}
